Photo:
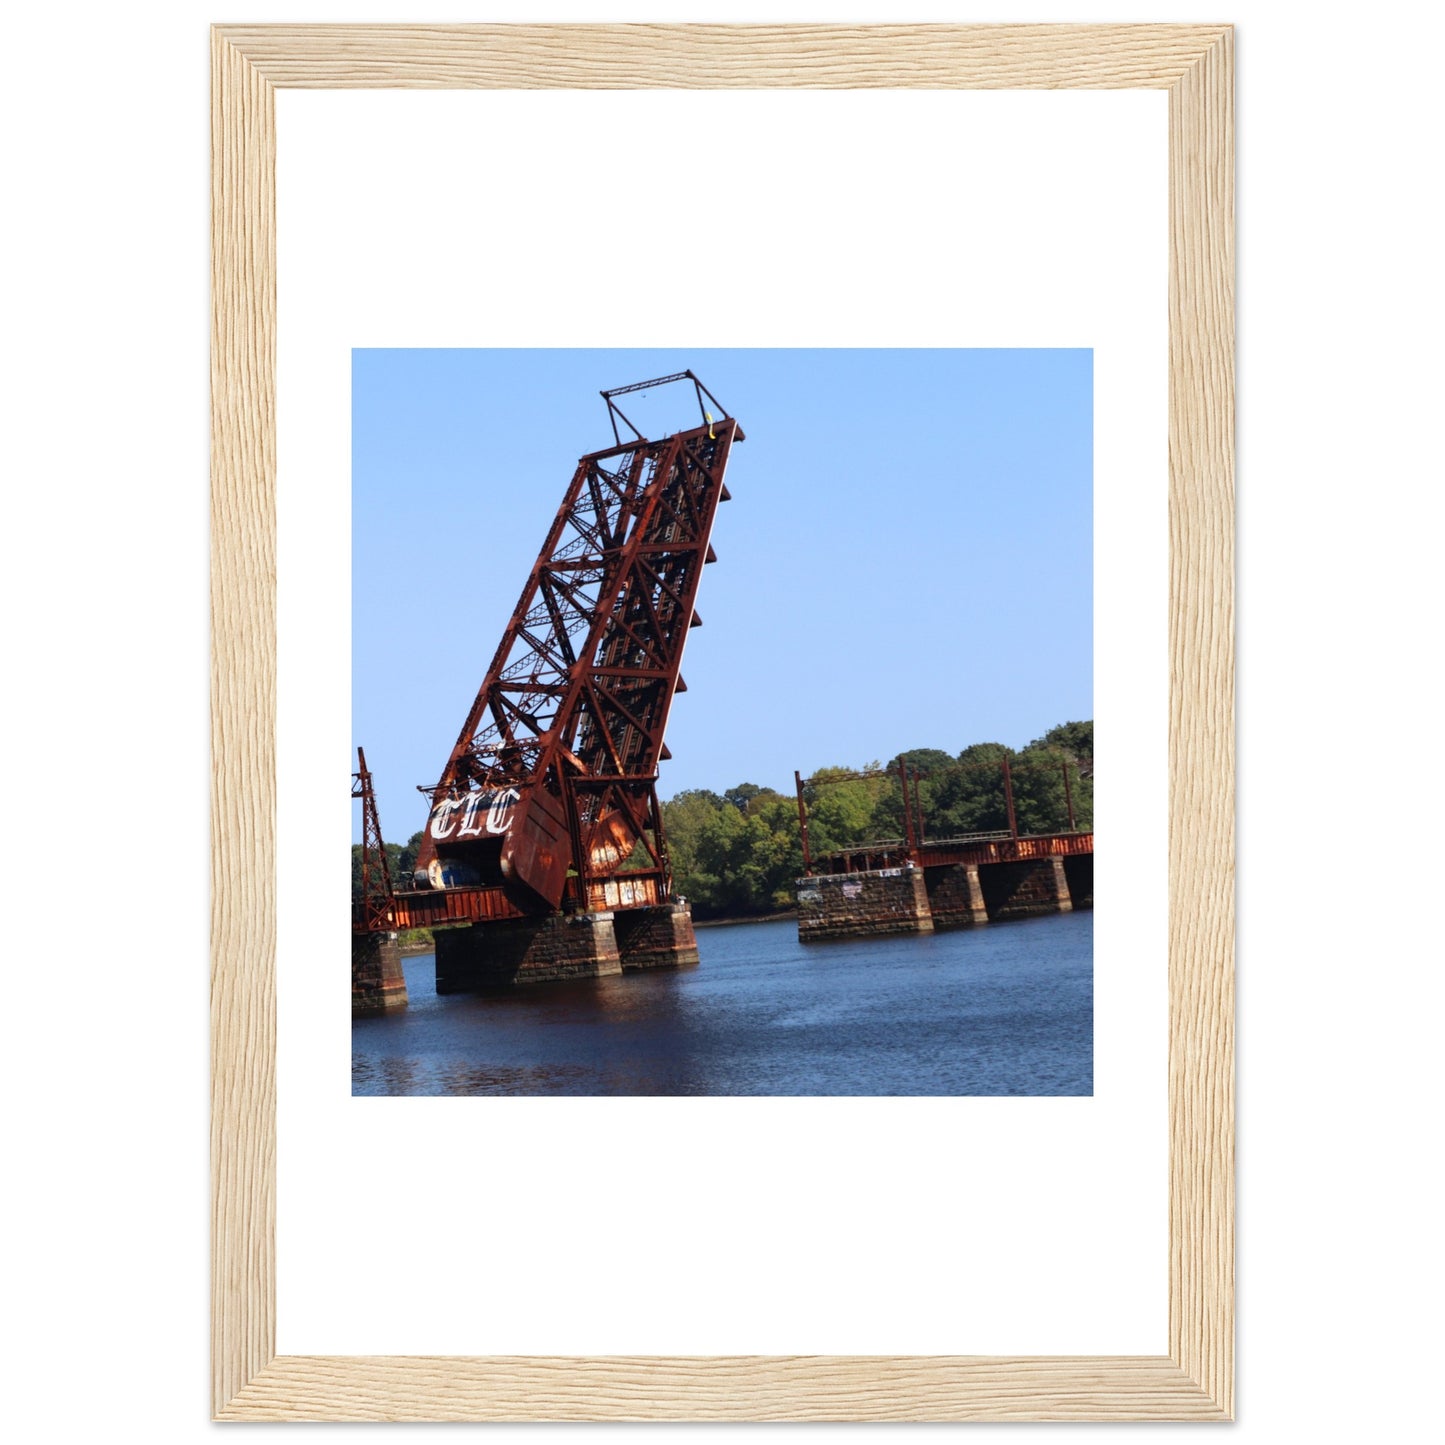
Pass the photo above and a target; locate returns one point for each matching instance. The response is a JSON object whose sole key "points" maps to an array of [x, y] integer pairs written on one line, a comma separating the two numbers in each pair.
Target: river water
{"points": [[1004, 1009]]}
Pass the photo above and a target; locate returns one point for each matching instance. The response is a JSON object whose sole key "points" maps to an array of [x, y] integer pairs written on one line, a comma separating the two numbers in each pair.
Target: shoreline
{"points": [[745, 918]]}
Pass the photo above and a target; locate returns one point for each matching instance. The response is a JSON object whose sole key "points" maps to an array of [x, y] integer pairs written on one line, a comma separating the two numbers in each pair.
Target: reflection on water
{"points": [[1005, 1009]]}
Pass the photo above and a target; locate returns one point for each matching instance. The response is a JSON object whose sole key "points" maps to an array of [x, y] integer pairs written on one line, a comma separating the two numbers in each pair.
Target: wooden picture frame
{"points": [[1195, 1380]]}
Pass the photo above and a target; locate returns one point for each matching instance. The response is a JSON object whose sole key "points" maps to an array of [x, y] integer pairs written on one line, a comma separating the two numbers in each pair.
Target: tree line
{"points": [[739, 852]]}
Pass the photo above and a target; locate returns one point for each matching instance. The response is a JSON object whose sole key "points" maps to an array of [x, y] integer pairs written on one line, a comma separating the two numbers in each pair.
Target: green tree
{"points": [[780, 814], [683, 818], [923, 765], [968, 796], [742, 795], [727, 868], [406, 861], [922, 760], [1074, 738], [1041, 793], [727, 861], [1040, 796], [841, 807]]}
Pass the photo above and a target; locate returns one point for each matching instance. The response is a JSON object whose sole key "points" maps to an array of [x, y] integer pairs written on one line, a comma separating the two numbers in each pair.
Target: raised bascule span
{"points": [[545, 824]]}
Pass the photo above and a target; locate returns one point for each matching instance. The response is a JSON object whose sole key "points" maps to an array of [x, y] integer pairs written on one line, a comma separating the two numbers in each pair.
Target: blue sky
{"points": [[906, 561]]}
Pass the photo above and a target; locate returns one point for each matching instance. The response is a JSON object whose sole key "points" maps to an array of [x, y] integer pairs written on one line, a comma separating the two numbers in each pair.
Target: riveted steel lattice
{"points": [[373, 911], [551, 782]]}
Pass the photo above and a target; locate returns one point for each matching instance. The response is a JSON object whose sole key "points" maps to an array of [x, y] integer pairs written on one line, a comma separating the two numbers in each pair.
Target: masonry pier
{"points": [[854, 905], [511, 952], [660, 937], [378, 984], [958, 883], [1079, 870], [1026, 888], [955, 896]]}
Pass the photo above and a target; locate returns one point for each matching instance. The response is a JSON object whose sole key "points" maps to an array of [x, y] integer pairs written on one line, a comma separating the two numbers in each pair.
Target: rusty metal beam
{"points": [[998, 848], [374, 911]]}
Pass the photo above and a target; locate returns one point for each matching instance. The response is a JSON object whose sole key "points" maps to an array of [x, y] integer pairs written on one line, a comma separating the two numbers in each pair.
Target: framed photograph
{"points": [[736, 1048]]}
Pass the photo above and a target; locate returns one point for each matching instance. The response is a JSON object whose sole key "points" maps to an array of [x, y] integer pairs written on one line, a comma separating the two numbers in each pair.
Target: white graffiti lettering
{"points": [[499, 815], [461, 815], [443, 817], [470, 827]]}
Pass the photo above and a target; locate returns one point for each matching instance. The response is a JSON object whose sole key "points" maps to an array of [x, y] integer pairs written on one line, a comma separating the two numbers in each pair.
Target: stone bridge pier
{"points": [[857, 905], [1079, 870], [949, 893], [559, 947], [1026, 888], [955, 895], [378, 984]]}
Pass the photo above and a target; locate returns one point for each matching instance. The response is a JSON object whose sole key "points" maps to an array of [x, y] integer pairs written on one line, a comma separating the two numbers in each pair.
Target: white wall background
{"points": [[105, 595]]}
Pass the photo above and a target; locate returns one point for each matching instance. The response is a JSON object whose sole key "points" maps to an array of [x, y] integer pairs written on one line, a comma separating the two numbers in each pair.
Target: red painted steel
{"points": [[374, 911], [995, 848], [1007, 850], [550, 789], [918, 828], [803, 823], [1008, 793], [438, 907], [909, 835]]}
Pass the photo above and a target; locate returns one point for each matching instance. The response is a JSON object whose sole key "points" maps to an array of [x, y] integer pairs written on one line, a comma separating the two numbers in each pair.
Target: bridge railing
{"points": [[1007, 849], [994, 847], [441, 906]]}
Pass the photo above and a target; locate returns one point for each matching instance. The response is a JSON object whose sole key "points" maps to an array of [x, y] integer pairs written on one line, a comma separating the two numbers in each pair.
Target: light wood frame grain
{"points": [[1195, 1380]]}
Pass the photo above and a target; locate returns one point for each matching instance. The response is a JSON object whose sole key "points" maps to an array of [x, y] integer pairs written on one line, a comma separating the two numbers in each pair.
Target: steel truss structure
{"points": [[374, 911], [551, 785]]}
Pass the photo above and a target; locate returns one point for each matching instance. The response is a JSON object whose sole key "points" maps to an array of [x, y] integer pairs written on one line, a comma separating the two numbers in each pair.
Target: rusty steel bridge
{"points": [[548, 803]]}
